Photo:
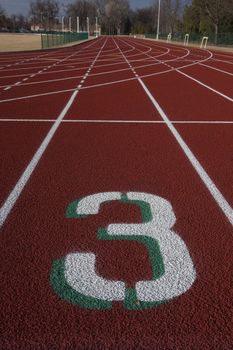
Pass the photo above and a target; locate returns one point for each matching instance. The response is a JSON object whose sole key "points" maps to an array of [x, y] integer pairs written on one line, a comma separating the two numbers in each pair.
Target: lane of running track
{"points": [[185, 99], [85, 158], [22, 92], [153, 163], [18, 148]]}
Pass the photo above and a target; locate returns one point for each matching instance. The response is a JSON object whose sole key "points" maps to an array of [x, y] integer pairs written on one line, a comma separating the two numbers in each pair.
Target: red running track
{"points": [[133, 137]]}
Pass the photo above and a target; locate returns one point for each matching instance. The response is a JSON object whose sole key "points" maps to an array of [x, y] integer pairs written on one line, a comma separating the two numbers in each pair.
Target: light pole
{"points": [[157, 36], [62, 24], [77, 24], [88, 25], [70, 24], [96, 27], [41, 19]]}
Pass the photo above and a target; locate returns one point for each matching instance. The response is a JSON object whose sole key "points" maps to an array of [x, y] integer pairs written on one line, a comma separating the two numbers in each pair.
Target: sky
{"points": [[22, 6]]}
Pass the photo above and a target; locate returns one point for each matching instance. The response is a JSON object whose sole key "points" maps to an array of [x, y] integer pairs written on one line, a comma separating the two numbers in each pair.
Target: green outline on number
{"points": [[66, 292], [71, 211], [156, 260]]}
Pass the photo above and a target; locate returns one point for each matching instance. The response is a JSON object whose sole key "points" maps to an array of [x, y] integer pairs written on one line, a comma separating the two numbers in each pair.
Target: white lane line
{"points": [[99, 85], [217, 69], [206, 86], [145, 121], [208, 182], [196, 80], [78, 68], [217, 60], [229, 56], [45, 68], [14, 195], [27, 120], [120, 121], [210, 185], [16, 192], [10, 86]]}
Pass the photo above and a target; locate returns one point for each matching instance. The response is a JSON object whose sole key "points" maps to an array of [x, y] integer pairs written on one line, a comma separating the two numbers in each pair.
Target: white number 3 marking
{"points": [[176, 275]]}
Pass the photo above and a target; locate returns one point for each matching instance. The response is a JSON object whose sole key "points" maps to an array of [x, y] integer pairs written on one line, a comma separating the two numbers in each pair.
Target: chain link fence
{"points": [[51, 39]]}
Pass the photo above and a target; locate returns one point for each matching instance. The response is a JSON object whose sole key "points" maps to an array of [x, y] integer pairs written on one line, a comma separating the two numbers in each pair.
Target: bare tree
{"points": [[2, 17], [116, 12], [82, 9], [170, 16], [144, 21], [170, 12], [44, 12]]}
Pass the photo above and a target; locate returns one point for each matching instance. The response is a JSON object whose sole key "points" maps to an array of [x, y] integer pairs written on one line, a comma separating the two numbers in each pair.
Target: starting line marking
{"points": [[93, 121]]}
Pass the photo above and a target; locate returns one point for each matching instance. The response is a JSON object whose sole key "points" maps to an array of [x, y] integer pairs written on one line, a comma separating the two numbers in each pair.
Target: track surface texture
{"points": [[116, 197]]}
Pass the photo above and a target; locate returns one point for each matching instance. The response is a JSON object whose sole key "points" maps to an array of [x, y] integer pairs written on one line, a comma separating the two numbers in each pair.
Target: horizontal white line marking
{"points": [[119, 121]]}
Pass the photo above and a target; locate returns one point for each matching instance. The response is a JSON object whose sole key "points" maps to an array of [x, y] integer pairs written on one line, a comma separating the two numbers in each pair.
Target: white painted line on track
{"points": [[116, 121], [92, 75], [25, 60], [97, 85], [144, 121], [228, 55], [14, 195], [46, 68], [27, 120], [210, 185], [217, 69], [208, 182], [151, 58], [206, 86], [196, 80], [16, 192], [222, 61], [67, 70]]}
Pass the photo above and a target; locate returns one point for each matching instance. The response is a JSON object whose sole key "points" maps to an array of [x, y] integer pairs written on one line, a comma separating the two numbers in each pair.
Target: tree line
{"points": [[116, 16]]}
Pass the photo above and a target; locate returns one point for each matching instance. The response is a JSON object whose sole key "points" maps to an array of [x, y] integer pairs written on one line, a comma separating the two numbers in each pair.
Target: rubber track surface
{"points": [[123, 115]]}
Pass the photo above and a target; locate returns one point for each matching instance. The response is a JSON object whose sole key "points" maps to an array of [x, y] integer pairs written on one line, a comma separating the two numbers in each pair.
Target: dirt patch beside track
{"points": [[25, 42], [19, 42]]}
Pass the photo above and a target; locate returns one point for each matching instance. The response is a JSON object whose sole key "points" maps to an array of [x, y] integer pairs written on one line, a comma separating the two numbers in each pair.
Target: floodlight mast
{"points": [[62, 24], [158, 21], [96, 27], [88, 25], [70, 28], [77, 24]]}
